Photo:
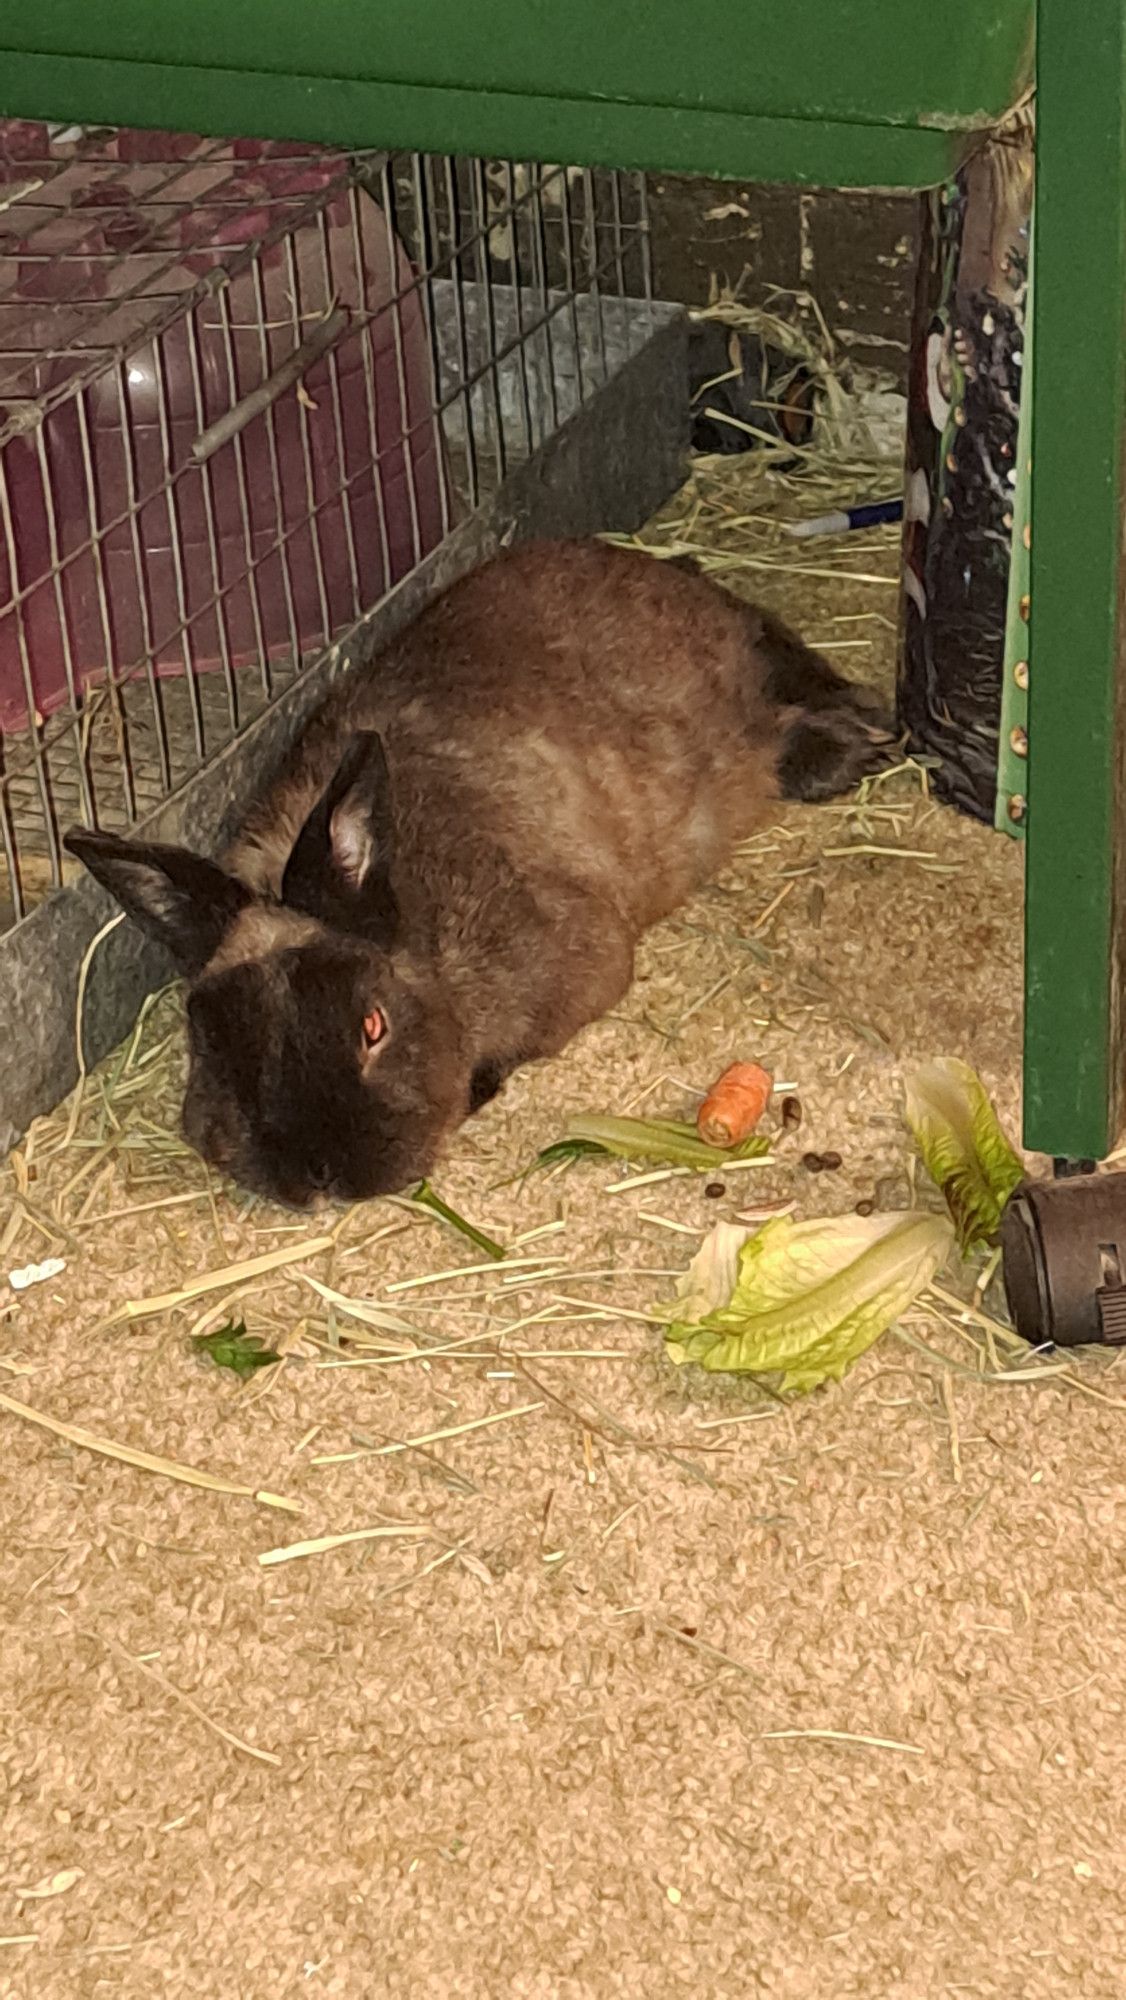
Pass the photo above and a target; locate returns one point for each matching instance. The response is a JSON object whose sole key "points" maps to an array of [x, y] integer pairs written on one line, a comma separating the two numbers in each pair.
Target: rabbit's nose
{"points": [[322, 1184]]}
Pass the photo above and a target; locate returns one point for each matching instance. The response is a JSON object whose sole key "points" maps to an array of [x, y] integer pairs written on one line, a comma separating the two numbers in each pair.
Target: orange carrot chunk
{"points": [[733, 1106]]}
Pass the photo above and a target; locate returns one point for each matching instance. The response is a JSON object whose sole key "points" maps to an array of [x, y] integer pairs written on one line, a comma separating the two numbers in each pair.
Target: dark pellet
{"points": [[715, 1191], [812, 1162], [830, 1162], [865, 1208], [791, 1113]]}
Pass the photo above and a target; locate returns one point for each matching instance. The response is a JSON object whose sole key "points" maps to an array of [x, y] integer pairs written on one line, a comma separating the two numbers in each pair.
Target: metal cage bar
{"points": [[203, 523]]}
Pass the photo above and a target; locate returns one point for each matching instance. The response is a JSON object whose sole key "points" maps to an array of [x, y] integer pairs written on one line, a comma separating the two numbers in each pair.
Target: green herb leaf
{"points": [[662, 1142], [808, 1297], [232, 1347], [964, 1149], [423, 1196], [568, 1149]]}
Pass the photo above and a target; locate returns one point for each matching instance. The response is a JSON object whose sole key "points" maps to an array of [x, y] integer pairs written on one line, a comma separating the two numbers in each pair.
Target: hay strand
{"points": [[79, 1039], [840, 1736], [321, 1544], [177, 1695], [144, 1461], [220, 1280], [428, 1437]]}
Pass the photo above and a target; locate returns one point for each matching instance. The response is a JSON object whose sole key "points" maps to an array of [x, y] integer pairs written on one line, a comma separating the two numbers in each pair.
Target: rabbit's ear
{"points": [[186, 903], [340, 867]]}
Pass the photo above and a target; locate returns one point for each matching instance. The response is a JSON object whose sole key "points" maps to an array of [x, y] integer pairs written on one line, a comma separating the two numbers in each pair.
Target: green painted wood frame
{"points": [[881, 93], [864, 92], [1074, 900]]}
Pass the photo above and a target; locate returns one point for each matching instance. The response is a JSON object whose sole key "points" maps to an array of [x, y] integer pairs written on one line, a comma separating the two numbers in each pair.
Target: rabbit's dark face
{"points": [[320, 1069], [324, 1060]]}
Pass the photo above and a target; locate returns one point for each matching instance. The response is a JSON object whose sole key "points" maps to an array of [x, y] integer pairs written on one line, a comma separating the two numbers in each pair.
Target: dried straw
{"points": [[223, 1279], [176, 1694], [145, 1461], [321, 1544], [428, 1437], [840, 1736]]}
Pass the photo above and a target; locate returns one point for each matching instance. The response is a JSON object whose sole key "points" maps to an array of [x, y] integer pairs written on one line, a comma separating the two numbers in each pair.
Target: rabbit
{"points": [[450, 872]]}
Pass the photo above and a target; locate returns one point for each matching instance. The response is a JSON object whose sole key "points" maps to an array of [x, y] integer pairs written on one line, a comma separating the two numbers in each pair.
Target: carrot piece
{"points": [[733, 1106]]}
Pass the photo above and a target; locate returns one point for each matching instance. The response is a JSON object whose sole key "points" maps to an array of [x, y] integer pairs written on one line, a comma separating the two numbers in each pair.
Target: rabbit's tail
{"points": [[834, 732]]}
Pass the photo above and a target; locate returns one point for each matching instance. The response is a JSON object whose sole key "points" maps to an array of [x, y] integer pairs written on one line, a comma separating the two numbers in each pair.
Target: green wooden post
{"points": [[1073, 1081]]}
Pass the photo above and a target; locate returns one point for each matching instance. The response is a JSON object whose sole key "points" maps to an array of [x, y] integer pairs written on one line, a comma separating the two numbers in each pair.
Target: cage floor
{"points": [[642, 1682]]}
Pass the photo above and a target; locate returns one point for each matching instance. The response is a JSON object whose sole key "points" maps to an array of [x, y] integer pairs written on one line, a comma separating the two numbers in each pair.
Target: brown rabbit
{"points": [[450, 873]]}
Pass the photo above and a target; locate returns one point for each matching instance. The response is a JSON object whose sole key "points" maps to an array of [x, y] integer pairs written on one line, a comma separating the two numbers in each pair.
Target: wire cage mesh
{"points": [[245, 389]]}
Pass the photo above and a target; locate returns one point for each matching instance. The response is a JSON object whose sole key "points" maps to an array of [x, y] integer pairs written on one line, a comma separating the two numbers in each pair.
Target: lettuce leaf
{"points": [[711, 1277], [660, 1141], [808, 1297], [964, 1149]]}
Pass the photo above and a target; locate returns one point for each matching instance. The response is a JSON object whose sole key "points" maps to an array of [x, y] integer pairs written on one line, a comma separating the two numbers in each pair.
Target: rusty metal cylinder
{"points": [[1064, 1248]]}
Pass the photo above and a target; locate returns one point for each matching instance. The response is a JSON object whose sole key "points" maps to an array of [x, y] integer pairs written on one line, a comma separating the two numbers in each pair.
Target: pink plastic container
{"points": [[120, 345]]}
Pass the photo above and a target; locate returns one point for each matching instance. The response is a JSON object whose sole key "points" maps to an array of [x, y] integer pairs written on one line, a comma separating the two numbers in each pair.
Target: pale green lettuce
{"points": [[801, 1299], [964, 1149], [662, 1141]]}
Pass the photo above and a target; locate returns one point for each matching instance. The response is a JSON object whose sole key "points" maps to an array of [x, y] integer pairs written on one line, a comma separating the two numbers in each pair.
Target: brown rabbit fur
{"points": [[450, 873]]}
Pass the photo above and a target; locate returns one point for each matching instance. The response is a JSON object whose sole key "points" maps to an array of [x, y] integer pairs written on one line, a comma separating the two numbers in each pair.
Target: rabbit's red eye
{"points": [[375, 1027]]}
